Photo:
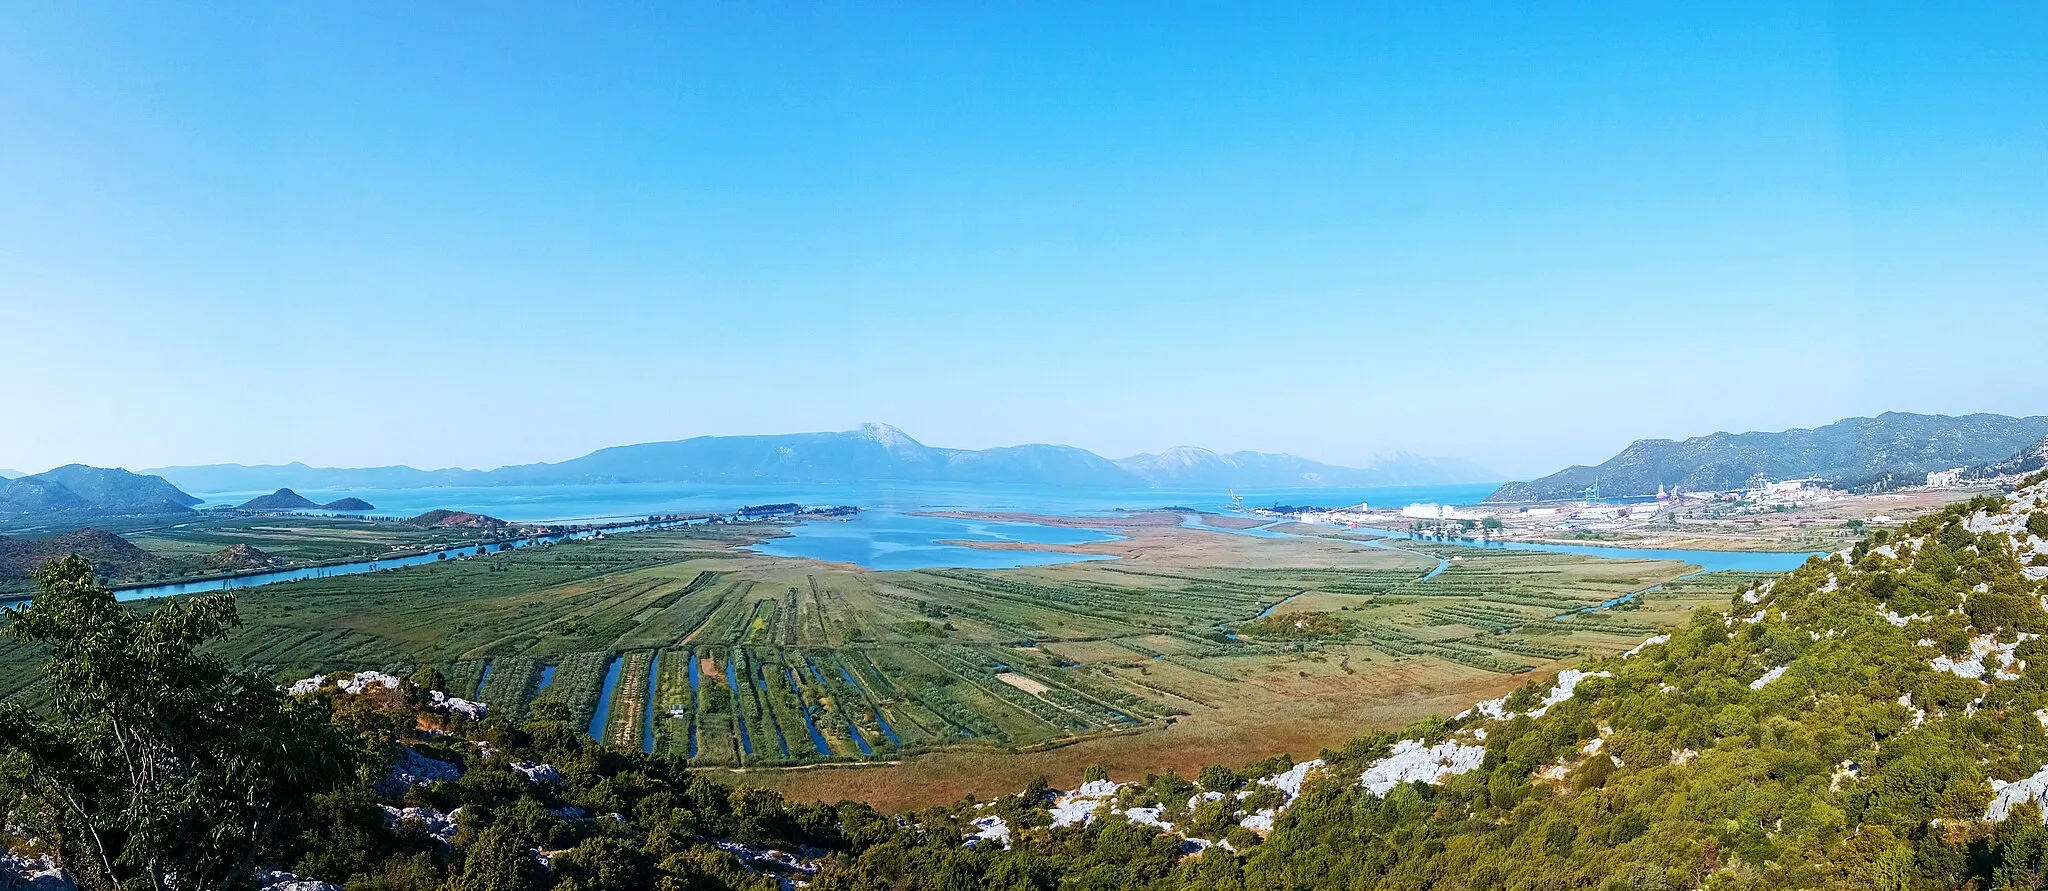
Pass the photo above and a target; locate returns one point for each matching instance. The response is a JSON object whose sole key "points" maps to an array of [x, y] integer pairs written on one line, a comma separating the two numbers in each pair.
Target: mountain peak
{"points": [[1188, 456], [888, 436], [103, 489]]}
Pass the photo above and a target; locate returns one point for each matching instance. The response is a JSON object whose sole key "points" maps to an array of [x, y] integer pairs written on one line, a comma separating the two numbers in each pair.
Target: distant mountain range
{"points": [[873, 452], [1189, 467], [1853, 452], [76, 488]]}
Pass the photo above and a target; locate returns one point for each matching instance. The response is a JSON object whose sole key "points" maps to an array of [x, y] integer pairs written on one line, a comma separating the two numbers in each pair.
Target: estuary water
{"points": [[884, 539], [593, 503], [888, 534]]}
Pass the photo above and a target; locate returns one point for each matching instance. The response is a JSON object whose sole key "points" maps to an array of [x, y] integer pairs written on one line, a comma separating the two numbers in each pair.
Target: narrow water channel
{"points": [[604, 699], [759, 673], [739, 714], [817, 739], [695, 662], [880, 721]]}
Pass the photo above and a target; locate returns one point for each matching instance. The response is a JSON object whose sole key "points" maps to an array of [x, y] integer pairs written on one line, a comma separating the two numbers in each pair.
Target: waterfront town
{"points": [[1792, 513]]}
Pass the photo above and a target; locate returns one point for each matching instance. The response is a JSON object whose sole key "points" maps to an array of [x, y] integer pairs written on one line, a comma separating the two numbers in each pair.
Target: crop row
{"points": [[510, 685], [675, 704], [1589, 622], [579, 678], [626, 719], [1474, 657], [1478, 615], [464, 677], [1527, 647], [769, 743], [975, 666]]}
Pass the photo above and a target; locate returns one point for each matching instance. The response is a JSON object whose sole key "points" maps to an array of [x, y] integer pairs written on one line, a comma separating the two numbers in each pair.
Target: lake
{"points": [[884, 539]]}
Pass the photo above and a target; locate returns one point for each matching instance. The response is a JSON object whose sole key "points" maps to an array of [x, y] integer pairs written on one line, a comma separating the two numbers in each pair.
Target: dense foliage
{"points": [[159, 766]]}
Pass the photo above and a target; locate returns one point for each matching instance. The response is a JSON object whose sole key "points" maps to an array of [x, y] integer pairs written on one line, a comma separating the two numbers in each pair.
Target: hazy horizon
{"points": [[1524, 237]]}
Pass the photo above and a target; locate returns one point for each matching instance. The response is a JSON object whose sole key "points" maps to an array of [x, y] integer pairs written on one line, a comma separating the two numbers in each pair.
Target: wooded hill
{"points": [[1854, 452]]}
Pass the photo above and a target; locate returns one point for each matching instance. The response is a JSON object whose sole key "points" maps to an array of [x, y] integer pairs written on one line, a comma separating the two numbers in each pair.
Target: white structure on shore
{"points": [[1945, 479]]}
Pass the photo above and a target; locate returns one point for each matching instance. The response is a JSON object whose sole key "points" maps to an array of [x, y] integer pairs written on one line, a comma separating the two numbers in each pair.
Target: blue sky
{"points": [[475, 234]]}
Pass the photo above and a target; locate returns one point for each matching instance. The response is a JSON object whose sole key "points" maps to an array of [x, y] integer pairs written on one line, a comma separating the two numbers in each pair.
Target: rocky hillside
{"points": [[2031, 459], [1856, 451], [1876, 719]]}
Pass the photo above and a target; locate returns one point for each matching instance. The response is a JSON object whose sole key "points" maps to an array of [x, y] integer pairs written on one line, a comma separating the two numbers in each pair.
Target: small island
{"points": [[286, 499]]}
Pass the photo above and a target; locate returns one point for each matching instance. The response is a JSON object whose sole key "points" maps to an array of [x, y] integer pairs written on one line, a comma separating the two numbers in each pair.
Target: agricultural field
{"points": [[296, 539], [1196, 646]]}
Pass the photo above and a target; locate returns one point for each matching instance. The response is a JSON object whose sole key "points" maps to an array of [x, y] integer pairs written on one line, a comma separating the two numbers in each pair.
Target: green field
{"points": [[801, 662]]}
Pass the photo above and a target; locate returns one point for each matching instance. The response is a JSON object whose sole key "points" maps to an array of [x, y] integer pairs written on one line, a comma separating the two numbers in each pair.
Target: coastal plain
{"points": [[1204, 641]]}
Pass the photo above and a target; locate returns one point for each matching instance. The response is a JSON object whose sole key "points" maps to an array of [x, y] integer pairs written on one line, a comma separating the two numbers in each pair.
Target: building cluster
{"points": [[1670, 509]]}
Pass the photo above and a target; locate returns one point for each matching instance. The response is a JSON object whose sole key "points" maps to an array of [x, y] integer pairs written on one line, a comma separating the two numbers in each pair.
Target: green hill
{"points": [[282, 499], [286, 499], [117, 560]]}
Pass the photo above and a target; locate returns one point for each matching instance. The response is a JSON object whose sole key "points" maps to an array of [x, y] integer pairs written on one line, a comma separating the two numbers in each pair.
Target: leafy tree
{"points": [[158, 765], [1217, 778], [499, 860]]}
